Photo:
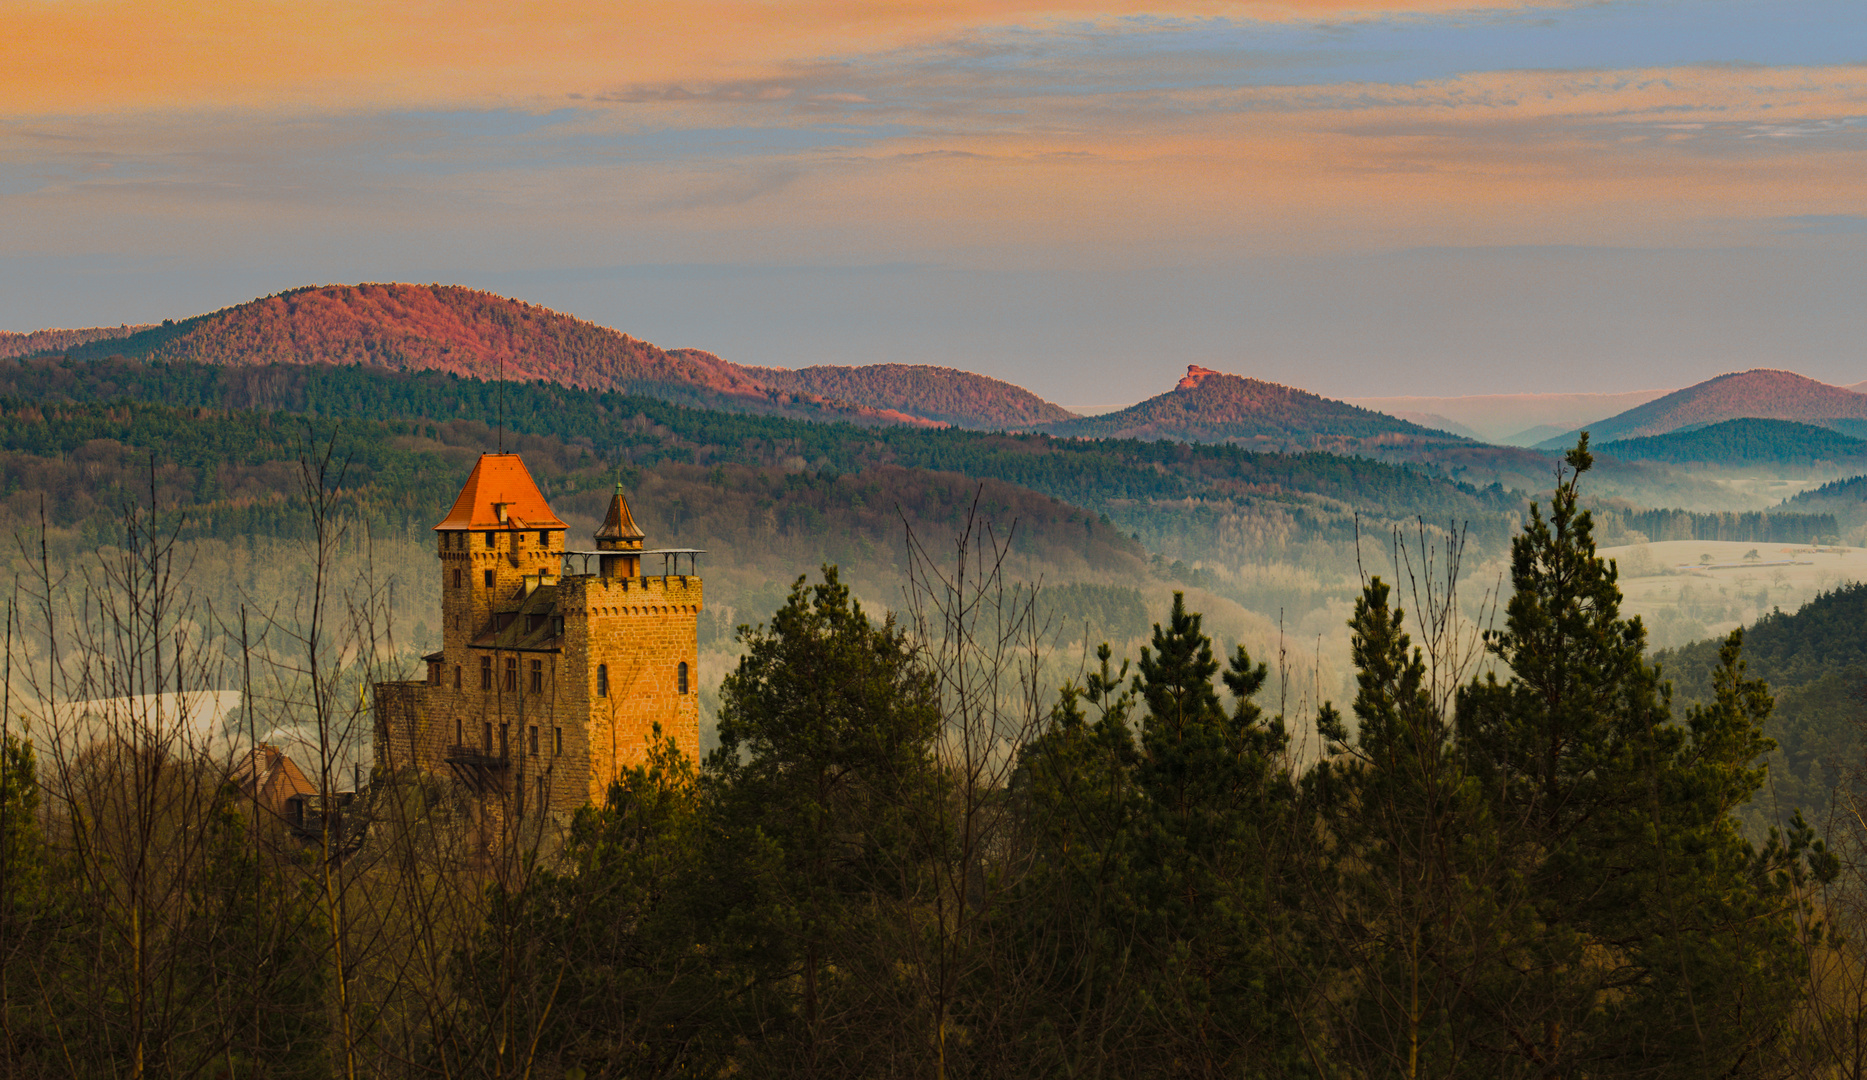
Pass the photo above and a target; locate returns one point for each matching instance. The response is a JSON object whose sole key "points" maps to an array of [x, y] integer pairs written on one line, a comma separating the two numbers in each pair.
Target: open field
{"points": [[1686, 590]]}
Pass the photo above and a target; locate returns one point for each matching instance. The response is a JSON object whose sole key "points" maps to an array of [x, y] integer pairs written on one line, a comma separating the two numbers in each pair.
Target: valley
{"points": [[1266, 505]]}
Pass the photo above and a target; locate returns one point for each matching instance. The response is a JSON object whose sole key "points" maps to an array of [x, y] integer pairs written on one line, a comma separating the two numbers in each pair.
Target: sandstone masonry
{"points": [[547, 684]]}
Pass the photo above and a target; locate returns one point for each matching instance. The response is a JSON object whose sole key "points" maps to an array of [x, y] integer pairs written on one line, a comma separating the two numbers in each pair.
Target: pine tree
{"points": [[1215, 826], [1645, 936], [827, 732], [1399, 899]]}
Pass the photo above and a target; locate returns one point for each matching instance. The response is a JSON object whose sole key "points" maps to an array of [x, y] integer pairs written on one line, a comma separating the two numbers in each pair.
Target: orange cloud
{"points": [[85, 56], [1688, 157]]}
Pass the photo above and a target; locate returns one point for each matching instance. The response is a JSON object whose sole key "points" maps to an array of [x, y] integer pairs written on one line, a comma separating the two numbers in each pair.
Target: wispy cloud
{"points": [[1826, 224]]}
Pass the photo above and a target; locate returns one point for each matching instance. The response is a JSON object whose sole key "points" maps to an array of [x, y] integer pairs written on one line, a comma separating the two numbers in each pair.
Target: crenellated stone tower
{"points": [[548, 684]]}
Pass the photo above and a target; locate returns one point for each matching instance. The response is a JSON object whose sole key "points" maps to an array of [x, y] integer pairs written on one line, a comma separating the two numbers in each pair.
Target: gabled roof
{"points": [[500, 479], [269, 777], [619, 524]]}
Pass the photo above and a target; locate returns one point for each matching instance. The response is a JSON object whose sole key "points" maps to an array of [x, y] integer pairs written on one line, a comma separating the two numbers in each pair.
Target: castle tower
{"points": [[548, 684]]}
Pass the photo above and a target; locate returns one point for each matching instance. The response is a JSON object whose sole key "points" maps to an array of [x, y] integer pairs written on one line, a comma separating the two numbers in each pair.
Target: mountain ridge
{"points": [[923, 389], [469, 332], [1213, 406], [1759, 393]]}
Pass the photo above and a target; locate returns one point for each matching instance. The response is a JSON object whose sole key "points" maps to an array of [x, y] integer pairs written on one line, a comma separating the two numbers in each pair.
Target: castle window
{"points": [[456, 676], [538, 679], [460, 733], [486, 673], [486, 739], [541, 794], [457, 577], [557, 626], [489, 579], [533, 747], [680, 678], [489, 539], [559, 740], [602, 680], [544, 538], [512, 673], [504, 730]]}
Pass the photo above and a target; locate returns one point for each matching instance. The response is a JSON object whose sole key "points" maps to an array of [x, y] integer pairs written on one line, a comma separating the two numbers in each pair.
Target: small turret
{"points": [[620, 534]]}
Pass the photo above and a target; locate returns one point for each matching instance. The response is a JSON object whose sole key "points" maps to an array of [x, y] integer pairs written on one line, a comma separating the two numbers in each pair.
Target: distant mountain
{"points": [[1748, 441], [1535, 435], [40, 341], [468, 332], [1437, 423], [1508, 418], [1209, 406], [960, 398], [1762, 393]]}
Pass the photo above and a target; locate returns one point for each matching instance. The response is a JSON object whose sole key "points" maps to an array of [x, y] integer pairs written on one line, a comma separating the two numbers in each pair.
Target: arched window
{"points": [[602, 680], [680, 678]]}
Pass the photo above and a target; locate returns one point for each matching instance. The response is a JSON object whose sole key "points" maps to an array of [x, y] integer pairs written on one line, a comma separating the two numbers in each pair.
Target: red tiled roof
{"points": [[500, 478]]}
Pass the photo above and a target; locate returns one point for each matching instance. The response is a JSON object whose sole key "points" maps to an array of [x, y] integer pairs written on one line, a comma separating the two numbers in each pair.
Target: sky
{"points": [[1358, 197]]}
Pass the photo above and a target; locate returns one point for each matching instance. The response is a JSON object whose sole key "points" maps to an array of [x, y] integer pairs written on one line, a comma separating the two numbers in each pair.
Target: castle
{"points": [[548, 684]]}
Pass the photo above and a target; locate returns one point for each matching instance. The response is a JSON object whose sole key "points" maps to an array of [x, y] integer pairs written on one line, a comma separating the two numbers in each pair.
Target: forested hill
{"points": [[42, 341], [1209, 406], [1762, 393], [467, 332], [1747, 441], [633, 427], [1845, 499], [1815, 661], [938, 393]]}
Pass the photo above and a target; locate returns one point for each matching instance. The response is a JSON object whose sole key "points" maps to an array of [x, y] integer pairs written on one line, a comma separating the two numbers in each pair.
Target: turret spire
{"points": [[619, 531]]}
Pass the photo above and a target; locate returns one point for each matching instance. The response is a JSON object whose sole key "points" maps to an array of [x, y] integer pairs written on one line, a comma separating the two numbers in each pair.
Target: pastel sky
{"points": [[1359, 197]]}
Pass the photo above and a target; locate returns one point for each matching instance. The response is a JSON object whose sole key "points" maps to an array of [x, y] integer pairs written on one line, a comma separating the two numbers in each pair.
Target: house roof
{"points": [[266, 774], [500, 480]]}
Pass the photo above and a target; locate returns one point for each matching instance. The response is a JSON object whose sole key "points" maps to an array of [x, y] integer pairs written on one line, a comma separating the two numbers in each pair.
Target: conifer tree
{"points": [[1400, 903], [1064, 992], [1645, 936], [827, 732], [1216, 819]]}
